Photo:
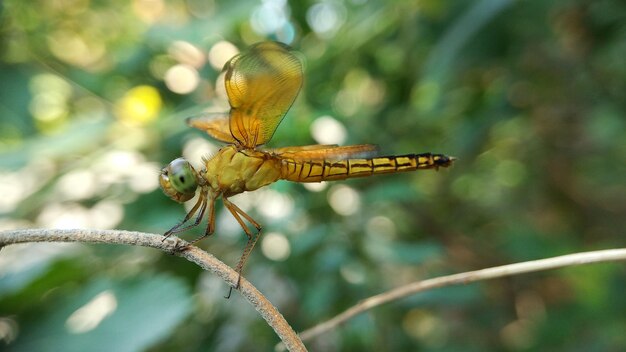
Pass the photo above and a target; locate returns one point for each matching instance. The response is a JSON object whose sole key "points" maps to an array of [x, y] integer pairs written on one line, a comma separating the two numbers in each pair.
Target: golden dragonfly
{"points": [[262, 84]]}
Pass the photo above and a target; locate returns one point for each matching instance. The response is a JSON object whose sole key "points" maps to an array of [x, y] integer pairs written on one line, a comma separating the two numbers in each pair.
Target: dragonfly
{"points": [[261, 84]]}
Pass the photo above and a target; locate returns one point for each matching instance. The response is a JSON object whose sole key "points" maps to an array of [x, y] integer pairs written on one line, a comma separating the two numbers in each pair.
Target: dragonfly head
{"points": [[179, 180]]}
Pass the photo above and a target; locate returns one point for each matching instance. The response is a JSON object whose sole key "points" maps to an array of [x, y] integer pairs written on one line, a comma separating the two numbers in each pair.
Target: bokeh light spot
{"points": [[118, 167], [201, 8], [315, 186], [89, 316], [142, 177], [273, 204], [275, 246], [353, 273], [220, 53], [327, 130], [74, 49], [13, 189], [425, 327], [381, 227], [182, 79], [49, 105], [47, 82], [344, 200], [76, 185], [325, 18], [106, 214], [269, 17], [8, 329], [149, 11], [197, 148], [187, 53], [140, 105], [64, 216], [517, 335]]}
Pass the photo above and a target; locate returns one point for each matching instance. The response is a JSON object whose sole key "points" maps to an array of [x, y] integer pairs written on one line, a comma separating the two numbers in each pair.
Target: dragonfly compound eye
{"points": [[179, 180]]}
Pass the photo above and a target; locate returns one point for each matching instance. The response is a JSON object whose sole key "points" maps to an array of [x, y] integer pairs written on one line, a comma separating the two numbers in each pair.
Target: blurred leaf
{"points": [[440, 63], [454, 296], [18, 270], [14, 281], [403, 252], [141, 311], [79, 137]]}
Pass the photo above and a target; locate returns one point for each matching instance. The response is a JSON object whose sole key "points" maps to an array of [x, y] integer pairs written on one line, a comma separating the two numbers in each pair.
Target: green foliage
{"points": [[144, 308], [530, 96]]}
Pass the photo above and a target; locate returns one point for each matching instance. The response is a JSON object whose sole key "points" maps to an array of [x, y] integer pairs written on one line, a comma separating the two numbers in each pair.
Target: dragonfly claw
{"points": [[236, 287]]}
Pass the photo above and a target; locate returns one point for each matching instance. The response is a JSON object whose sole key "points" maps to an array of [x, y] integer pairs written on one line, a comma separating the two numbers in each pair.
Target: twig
{"points": [[464, 278], [194, 254]]}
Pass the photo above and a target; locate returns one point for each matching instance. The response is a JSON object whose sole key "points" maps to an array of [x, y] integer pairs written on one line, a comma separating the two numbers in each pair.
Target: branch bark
{"points": [[463, 278], [194, 254]]}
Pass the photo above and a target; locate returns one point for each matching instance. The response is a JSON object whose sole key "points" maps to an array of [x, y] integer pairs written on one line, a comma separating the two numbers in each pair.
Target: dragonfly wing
{"points": [[214, 124], [326, 152], [261, 84], [301, 148]]}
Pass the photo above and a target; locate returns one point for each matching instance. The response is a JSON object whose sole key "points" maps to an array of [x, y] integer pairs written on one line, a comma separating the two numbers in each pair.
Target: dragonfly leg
{"points": [[252, 238], [201, 203], [210, 226]]}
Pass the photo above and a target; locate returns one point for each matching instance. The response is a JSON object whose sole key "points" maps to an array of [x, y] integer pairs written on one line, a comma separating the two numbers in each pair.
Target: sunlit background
{"points": [[529, 95]]}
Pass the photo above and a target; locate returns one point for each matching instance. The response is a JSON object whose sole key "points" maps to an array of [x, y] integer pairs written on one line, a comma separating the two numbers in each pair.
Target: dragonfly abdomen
{"points": [[330, 170]]}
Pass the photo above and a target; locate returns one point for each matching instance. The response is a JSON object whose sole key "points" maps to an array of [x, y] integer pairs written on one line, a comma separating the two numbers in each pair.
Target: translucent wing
{"points": [[214, 124], [326, 152], [261, 84]]}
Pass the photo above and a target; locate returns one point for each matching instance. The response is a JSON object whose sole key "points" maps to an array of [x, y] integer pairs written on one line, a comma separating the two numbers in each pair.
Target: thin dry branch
{"points": [[464, 278], [194, 254]]}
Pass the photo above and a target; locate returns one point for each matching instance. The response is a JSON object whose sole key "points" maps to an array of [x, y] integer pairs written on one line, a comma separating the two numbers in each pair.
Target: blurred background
{"points": [[529, 95]]}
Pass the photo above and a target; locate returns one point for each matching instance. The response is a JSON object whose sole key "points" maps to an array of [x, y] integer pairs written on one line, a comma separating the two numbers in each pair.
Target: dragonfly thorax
{"points": [[233, 171]]}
